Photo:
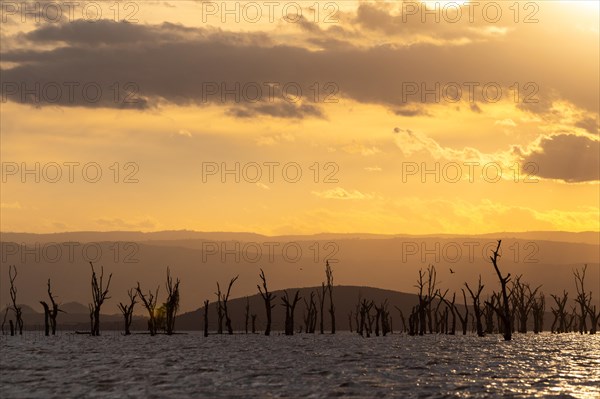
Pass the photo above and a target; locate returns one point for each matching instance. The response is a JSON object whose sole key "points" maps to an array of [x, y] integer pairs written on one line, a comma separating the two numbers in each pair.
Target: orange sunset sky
{"points": [[356, 133]]}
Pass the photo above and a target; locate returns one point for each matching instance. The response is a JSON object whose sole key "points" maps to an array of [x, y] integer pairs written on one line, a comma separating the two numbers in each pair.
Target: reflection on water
{"points": [[546, 365]]}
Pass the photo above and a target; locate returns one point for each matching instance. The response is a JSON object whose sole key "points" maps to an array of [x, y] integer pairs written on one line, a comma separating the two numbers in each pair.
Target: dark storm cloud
{"points": [[567, 157], [408, 21], [106, 32], [181, 65]]}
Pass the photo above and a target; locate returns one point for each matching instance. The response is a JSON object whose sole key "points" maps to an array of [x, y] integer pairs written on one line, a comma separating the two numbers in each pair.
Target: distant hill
{"points": [[587, 237], [345, 300]]}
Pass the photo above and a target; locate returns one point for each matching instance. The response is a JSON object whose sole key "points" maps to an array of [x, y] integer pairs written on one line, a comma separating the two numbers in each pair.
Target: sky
{"points": [[300, 117]]}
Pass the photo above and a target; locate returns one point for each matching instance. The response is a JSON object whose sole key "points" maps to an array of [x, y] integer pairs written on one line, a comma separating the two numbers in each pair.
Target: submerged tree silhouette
{"points": [[206, 302], [310, 314], [12, 274], [220, 312], [127, 310], [523, 299], [560, 315], [290, 306], [50, 313], [267, 297], [225, 311], [504, 311], [538, 308], [477, 306], [582, 299], [329, 275], [150, 305], [321, 297], [172, 304], [99, 295]]}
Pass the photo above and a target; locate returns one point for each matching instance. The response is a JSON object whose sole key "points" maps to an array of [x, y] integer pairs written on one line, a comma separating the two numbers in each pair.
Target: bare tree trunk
{"points": [[225, 311], [172, 304], [583, 299], [431, 293], [477, 306], [127, 310], [560, 316], [505, 311], [150, 305], [290, 306], [321, 297], [267, 297], [46, 318], [206, 302], [246, 318], [219, 310], [12, 274], [253, 324], [329, 275], [4, 319], [594, 317], [99, 295]]}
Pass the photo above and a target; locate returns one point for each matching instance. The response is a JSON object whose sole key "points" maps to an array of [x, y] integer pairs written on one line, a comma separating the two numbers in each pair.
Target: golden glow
{"points": [[368, 140]]}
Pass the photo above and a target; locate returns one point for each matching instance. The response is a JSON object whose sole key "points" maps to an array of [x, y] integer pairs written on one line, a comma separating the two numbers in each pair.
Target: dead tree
{"points": [[437, 308], [582, 299], [321, 297], [424, 300], [365, 324], [452, 307], [220, 312], [571, 327], [538, 307], [127, 310], [54, 311], [267, 297], [463, 320], [385, 318], [99, 295], [50, 313], [594, 317], [225, 299], [12, 274], [206, 302], [150, 305], [172, 304], [366, 320], [4, 319], [247, 315], [413, 321], [46, 318], [560, 315], [253, 324], [477, 306], [310, 314], [329, 275], [431, 292], [523, 300], [489, 313], [91, 309], [404, 329], [370, 319], [290, 306], [503, 311]]}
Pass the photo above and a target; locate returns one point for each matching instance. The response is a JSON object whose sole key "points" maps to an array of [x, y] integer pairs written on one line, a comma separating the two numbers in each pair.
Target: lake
{"points": [[303, 365]]}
